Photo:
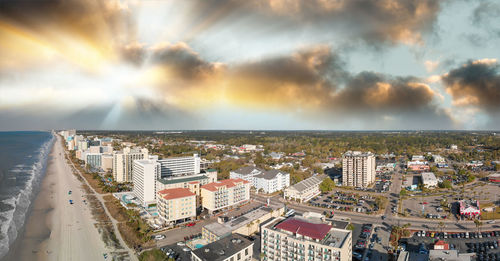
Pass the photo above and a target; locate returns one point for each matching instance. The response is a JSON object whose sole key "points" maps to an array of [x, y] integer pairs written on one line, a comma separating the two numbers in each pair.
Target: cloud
{"points": [[476, 83], [485, 12], [431, 65], [374, 22]]}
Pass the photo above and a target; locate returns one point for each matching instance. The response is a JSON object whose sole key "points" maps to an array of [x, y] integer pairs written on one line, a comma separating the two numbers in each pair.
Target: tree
{"points": [[441, 225], [403, 192], [327, 185], [445, 184], [478, 224]]}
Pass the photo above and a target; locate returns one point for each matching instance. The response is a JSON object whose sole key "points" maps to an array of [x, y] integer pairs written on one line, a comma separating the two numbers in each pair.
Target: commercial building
{"points": [[304, 190], [224, 194], [358, 169], [176, 205], [145, 174], [246, 224], [180, 166], [232, 248], [268, 181], [123, 163], [495, 177], [438, 159], [469, 208], [429, 179], [301, 239]]}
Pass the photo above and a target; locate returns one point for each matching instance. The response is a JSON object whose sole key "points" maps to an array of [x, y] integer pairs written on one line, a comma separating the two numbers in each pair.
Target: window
{"points": [[246, 252], [239, 256]]}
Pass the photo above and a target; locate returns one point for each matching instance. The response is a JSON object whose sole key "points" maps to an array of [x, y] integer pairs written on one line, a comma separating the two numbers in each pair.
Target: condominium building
{"points": [[176, 205], [268, 181], [358, 169], [301, 239], [193, 182], [231, 248], [224, 194], [107, 162], [304, 190], [180, 166], [123, 163], [145, 174]]}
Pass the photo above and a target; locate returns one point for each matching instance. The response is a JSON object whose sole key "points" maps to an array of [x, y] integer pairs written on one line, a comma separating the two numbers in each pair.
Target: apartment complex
{"points": [[358, 169], [304, 190], [224, 194], [268, 181], [93, 160], [180, 166], [232, 248], [176, 205], [123, 163], [301, 239], [145, 174]]}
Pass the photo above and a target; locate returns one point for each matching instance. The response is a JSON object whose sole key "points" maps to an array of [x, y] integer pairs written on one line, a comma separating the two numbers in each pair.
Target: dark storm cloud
{"points": [[181, 61], [476, 83], [375, 22]]}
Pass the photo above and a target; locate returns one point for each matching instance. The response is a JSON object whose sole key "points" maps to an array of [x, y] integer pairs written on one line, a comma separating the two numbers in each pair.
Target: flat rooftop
{"points": [[325, 234], [182, 180], [223, 248]]}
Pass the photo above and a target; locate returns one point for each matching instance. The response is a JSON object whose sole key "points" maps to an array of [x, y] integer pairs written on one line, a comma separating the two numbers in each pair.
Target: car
{"points": [[185, 249], [71, 201], [181, 243], [158, 237], [190, 224]]}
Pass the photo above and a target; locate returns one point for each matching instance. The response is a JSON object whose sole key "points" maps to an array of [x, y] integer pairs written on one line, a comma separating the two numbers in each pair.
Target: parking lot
{"points": [[484, 244], [345, 201]]}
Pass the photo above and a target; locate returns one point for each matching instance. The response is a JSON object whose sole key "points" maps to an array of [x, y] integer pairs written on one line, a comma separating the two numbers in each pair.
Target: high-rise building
{"points": [[123, 163], [93, 160], [302, 239], [145, 174], [180, 166], [358, 169]]}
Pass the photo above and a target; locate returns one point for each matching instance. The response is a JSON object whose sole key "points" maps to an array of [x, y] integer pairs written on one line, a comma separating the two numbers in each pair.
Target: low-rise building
{"points": [[304, 190], [438, 159], [495, 177], [176, 205], [246, 224], [300, 239], [224, 194], [429, 179], [469, 208], [231, 248]]}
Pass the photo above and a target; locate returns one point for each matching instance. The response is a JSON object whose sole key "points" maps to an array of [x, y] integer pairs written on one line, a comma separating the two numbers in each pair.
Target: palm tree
{"points": [[478, 224], [441, 225]]}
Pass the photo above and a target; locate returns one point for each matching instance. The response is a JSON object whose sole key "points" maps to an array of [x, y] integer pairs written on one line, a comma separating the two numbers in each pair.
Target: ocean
{"points": [[23, 160]]}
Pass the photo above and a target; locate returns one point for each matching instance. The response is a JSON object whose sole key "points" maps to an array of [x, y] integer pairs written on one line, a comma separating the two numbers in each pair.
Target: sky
{"points": [[250, 64]]}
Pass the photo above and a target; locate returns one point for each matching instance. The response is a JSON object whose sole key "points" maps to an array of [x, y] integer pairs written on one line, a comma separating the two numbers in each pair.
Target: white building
{"points": [[180, 166], [224, 194], [93, 160], [268, 181], [438, 159], [232, 248], [304, 239], [145, 174], [304, 190], [123, 163], [429, 179], [176, 205], [358, 169]]}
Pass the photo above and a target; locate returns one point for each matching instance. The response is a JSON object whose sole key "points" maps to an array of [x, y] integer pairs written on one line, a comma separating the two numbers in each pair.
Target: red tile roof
{"points": [[175, 193], [301, 227], [229, 183], [194, 182]]}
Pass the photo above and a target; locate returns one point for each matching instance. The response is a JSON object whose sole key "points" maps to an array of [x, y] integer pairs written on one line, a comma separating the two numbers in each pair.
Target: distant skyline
{"points": [[253, 64]]}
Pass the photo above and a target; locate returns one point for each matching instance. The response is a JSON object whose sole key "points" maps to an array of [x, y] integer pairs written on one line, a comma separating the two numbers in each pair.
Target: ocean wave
{"points": [[15, 217]]}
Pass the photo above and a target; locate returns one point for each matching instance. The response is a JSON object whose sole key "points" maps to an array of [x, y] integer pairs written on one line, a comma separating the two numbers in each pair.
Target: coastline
{"points": [[55, 229]]}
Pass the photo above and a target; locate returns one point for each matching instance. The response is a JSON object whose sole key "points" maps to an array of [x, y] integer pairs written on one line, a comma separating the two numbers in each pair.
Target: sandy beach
{"points": [[56, 229]]}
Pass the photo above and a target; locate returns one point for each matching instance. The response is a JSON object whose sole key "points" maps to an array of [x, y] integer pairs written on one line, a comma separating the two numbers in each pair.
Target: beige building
{"points": [[123, 162], [358, 169], [107, 162], [301, 239], [304, 190], [176, 205], [224, 194]]}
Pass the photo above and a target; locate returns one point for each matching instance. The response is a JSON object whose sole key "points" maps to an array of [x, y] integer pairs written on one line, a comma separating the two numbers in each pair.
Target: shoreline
{"points": [[55, 229]]}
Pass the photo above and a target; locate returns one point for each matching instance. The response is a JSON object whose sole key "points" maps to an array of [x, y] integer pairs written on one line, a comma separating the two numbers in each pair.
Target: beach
{"points": [[56, 229]]}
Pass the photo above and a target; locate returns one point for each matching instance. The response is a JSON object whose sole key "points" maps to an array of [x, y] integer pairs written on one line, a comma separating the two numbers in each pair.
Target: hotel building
{"points": [[268, 181], [358, 169], [176, 205], [180, 166], [301, 239], [224, 194], [123, 163], [145, 174]]}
